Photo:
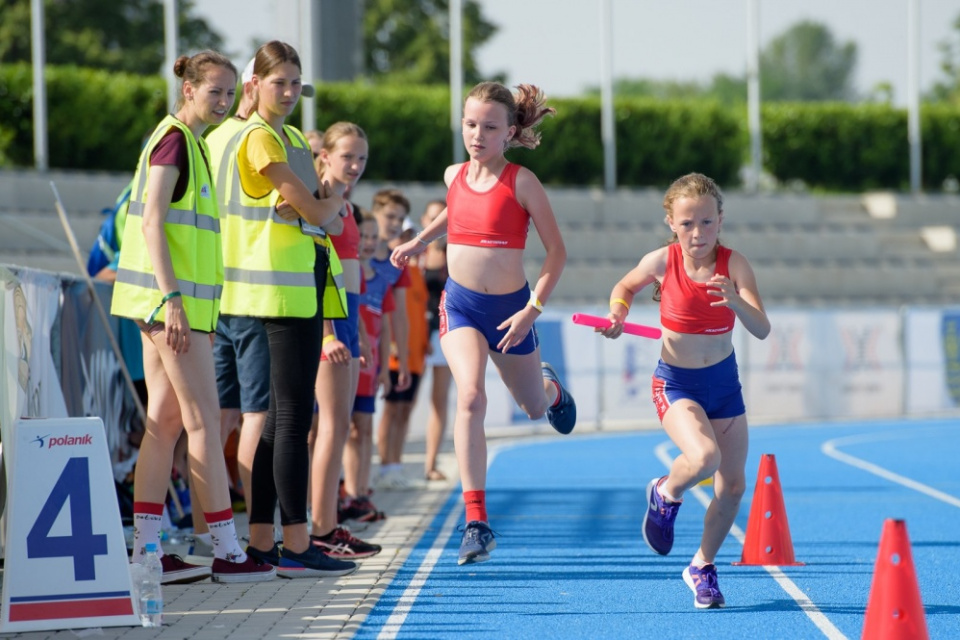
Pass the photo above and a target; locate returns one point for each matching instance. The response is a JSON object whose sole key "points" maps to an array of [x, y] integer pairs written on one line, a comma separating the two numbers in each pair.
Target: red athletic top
{"points": [[491, 218], [347, 243], [685, 304]]}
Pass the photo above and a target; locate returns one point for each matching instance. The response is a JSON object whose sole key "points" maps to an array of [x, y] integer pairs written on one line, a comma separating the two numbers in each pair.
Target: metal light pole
{"points": [[38, 47], [308, 107], [913, 94], [753, 95], [456, 77], [607, 125], [171, 35]]}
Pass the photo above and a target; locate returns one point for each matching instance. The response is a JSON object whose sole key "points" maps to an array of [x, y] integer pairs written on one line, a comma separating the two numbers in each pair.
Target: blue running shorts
{"points": [[715, 388], [461, 307]]}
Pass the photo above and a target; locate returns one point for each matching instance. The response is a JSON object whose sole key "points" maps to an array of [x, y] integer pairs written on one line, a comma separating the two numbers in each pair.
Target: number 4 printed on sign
{"points": [[66, 557], [82, 544]]}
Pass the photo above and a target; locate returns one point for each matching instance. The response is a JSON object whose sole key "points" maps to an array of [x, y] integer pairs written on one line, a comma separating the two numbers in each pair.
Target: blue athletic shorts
{"points": [[364, 404], [347, 329], [241, 357], [715, 388], [461, 307]]}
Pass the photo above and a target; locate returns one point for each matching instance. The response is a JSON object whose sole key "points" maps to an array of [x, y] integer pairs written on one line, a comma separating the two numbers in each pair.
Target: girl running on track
{"points": [[703, 287], [488, 308]]}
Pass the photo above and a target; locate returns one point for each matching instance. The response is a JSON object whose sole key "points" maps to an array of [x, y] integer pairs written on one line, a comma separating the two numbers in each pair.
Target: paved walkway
{"points": [[301, 608]]}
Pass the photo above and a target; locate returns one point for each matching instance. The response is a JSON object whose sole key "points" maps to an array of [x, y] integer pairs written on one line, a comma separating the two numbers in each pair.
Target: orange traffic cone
{"points": [[894, 610], [768, 539]]}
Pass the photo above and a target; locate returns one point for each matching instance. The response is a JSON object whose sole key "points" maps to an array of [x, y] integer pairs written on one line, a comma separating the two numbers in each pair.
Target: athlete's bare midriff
{"points": [[486, 270]]}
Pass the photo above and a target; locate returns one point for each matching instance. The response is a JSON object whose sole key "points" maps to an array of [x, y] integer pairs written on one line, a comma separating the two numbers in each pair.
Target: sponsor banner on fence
{"points": [[932, 344]]}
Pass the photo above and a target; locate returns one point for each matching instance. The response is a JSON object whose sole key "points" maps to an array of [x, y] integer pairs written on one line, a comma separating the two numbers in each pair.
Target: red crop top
{"points": [[685, 304], [491, 218], [347, 243]]}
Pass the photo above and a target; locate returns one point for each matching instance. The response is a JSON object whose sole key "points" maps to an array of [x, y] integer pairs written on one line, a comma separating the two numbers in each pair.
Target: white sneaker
{"points": [[199, 552]]}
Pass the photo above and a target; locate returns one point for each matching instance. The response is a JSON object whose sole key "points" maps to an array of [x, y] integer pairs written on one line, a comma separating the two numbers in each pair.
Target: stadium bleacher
{"points": [[806, 249]]}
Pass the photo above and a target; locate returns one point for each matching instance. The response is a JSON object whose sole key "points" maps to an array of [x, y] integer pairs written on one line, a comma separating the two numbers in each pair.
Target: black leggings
{"points": [[281, 465]]}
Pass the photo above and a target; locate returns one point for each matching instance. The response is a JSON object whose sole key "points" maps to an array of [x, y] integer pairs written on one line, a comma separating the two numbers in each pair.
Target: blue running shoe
{"points": [[703, 583], [658, 519], [270, 557], [563, 416], [477, 543], [312, 563]]}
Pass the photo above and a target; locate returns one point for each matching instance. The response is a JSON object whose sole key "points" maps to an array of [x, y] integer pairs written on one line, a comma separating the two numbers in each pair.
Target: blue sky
{"points": [[555, 43]]}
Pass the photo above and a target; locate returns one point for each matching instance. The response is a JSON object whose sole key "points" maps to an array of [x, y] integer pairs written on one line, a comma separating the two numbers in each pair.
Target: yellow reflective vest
{"points": [[268, 261], [192, 229]]}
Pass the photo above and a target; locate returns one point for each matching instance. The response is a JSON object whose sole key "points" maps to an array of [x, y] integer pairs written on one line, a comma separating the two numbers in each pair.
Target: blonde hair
{"points": [[335, 132], [526, 109], [193, 69], [692, 185]]}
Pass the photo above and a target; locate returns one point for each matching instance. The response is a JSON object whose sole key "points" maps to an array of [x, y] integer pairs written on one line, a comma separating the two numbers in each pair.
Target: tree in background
{"points": [[118, 35], [948, 90], [806, 63], [407, 41]]}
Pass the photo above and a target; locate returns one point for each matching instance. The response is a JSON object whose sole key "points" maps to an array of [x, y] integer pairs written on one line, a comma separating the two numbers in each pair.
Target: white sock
{"points": [[663, 493], [223, 535], [146, 529], [698, 560]]}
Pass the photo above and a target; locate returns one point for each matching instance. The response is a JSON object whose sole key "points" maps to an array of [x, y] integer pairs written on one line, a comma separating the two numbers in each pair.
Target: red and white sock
{"points": [[223, 535], [147, 522]]}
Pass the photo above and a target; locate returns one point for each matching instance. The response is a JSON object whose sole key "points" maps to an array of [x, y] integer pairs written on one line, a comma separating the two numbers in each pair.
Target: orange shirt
{"points": [[419, 332]]}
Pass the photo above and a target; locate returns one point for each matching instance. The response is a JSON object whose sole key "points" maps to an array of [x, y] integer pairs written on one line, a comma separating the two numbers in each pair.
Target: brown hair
{"points": [[194, 69], [386, 197], [526, 109], [270, 56]]}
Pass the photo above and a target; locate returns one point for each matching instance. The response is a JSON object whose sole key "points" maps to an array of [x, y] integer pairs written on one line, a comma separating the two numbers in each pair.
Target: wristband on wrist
{"points": [[620, 301], [328, 338], [421, 240], [535, 302], [153, 315]]}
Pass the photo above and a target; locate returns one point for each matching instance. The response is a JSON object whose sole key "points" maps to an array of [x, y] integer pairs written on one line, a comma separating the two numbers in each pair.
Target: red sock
{"points": [[476, 502]]}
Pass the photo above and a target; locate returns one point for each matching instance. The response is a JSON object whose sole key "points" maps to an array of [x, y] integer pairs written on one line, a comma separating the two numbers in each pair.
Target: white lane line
{"points": [[402, 609], [409, 596], [830, 448], [806, 605]]}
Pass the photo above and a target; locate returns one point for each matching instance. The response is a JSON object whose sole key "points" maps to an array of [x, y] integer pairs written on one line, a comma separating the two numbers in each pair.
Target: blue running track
{"points": [[571, 561]]}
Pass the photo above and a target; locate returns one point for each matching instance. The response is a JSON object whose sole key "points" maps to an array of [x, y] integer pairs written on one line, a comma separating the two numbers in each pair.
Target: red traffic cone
{"points": [[894, 610], [768, 539]]}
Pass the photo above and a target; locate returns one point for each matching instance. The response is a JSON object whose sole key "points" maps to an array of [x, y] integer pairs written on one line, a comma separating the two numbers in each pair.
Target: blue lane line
{"points": [[571, 562]]}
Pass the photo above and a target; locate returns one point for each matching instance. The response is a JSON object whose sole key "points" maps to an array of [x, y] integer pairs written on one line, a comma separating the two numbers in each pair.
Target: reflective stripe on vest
{"points": [[335, 291], [192, 231], [268, 263]]}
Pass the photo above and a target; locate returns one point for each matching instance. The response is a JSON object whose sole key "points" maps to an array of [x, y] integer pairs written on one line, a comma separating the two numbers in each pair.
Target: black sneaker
{"points": [[359, 510], [270, 557], [312, 563], [340, 543], [562, 416]]}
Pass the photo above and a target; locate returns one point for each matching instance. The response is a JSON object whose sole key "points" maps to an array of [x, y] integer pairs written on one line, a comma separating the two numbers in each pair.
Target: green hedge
{"points": [[841, 146], [97, 120]]}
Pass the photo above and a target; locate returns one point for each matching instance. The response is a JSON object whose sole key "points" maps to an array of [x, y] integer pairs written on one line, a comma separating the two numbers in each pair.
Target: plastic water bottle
{"points": [[151, 594]]}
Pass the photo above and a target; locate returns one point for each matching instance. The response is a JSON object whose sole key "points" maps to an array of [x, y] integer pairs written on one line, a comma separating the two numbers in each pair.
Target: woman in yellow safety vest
{"points": [[169, 280], [277, 258]]}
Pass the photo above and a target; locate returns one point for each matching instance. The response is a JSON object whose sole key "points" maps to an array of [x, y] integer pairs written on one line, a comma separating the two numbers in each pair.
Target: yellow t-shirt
{"points": [[258, 150]]}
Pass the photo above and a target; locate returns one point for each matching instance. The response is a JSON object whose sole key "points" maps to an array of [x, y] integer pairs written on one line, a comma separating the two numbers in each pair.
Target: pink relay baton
{"points": [[632, 328]]}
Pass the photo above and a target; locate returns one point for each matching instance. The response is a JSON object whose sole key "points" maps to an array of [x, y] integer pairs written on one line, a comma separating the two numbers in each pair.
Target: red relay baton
{"points": [[632, 328]]}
